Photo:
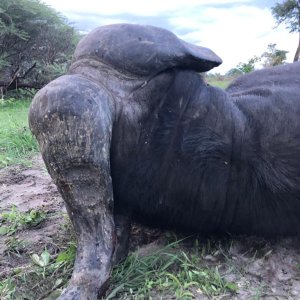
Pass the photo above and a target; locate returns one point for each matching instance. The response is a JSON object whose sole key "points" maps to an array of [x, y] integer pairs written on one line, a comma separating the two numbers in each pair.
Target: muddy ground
{"points": [[261, 269]]}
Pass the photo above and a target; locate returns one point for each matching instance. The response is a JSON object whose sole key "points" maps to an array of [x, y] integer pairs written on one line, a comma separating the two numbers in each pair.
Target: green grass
{"points": [[172, 272], [44, 276], [220, 83], [44, 269], [14, 220], [17, 144], [178, 270]]}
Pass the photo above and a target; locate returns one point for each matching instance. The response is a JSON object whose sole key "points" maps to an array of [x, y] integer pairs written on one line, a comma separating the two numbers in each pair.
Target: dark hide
{"points": [[134, 133], [212, 162]]}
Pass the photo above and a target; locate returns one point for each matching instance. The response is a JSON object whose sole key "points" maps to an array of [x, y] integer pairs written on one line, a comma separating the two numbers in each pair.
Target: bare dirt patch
{"points": [[261, 269]]}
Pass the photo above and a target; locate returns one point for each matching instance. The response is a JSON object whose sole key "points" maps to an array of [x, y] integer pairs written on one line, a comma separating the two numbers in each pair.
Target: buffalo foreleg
{"points": [[72, 120]]}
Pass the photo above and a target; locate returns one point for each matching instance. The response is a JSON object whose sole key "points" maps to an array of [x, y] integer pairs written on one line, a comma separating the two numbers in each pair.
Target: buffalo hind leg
{"points": [[122, 226], [72, 120]]}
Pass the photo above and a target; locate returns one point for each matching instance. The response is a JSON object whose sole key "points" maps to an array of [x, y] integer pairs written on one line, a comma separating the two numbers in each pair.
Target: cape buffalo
{"points": [[133, 132]]}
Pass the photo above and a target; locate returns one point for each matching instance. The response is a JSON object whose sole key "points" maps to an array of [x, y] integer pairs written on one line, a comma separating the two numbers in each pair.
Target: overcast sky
{"points": [[236, 30]]}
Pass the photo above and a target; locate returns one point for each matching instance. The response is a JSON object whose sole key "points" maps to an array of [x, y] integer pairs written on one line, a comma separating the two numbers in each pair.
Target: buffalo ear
{"points": [[143, 50]]}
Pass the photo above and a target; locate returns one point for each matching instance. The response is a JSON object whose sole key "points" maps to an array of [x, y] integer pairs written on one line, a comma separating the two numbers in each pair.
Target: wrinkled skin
{"points": [[132, 132]]}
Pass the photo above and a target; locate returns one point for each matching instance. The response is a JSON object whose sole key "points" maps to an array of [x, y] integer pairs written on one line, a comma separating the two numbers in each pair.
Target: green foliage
{"points": [[234, 72], [16, 141], [41, 260], [273, 57], [243, 67], [287, 12], [36, 44], [14, 220], [7, 289], [248, 66], [67, 256]]}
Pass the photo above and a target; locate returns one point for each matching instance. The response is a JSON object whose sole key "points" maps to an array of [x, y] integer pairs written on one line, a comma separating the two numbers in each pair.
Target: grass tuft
{"points": [[170, 271], [14, 220]]}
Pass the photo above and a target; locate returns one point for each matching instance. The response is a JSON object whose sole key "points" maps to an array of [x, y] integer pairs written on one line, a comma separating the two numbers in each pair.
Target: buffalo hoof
{"points": [[87, 286]]}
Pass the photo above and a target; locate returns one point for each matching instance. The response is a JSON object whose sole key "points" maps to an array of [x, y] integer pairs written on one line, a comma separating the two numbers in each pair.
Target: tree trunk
{"points": [[297, 54], [17, 82]]}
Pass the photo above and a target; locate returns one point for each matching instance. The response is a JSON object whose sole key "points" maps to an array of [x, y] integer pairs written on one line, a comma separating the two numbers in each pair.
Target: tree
{"points": [[234, 72], [36, 44], [248, 66], [273, 57], [288, 12], [243, 68]]}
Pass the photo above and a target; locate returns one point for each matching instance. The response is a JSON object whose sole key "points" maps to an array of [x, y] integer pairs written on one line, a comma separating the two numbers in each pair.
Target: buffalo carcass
{"points": [[133, 132]]}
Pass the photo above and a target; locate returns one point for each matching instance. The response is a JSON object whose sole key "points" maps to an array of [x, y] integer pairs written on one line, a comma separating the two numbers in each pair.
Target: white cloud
{"points": [[235, 29], [235, 34]]}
